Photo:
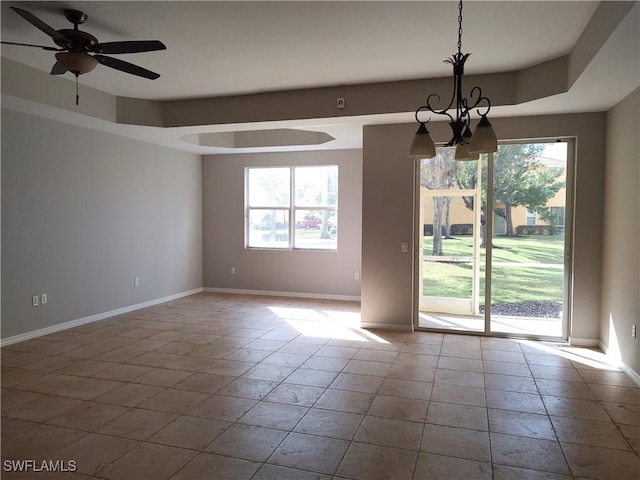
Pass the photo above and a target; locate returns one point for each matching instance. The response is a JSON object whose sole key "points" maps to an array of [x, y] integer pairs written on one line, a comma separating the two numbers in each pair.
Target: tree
{"points": [[318, 186], [270, 187], [552, 216], [466, 174], [519, 179], [447, 215], [437, 173], [329, 197]]}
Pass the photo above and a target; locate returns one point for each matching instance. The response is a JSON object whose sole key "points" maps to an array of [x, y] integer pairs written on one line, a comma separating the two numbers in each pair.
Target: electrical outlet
{"points": [[633, 330], [356, 276], [136, 281], [34, 301], [43, 298], [233, 270], [404, 247]]}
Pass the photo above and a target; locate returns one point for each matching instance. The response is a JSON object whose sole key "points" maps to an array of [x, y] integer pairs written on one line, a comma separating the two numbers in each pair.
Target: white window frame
{"points": [[291, 209]]}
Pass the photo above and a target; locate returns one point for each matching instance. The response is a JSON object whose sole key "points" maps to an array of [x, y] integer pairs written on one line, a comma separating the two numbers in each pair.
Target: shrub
{"points": [[461, 229], [537, 230], [455, 229]]}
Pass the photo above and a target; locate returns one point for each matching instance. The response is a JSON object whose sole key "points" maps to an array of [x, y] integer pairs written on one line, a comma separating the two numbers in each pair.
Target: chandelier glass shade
{"points": [[422, 145], [484, 139], [463, 150], [468, 145]]}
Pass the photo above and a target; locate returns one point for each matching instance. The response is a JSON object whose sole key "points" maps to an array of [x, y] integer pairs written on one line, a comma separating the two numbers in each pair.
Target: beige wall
{"points": [[458, 212], [301, 272], [83, 213], [621, 253], [388, 214]]}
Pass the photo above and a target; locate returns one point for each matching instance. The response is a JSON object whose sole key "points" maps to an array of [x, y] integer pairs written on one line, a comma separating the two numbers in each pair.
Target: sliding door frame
{"points": [[568, 248]]}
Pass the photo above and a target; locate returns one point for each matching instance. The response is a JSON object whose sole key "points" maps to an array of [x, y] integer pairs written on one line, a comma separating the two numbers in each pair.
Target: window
{"points": [[292, 207], [557, 216], [531, 217]]}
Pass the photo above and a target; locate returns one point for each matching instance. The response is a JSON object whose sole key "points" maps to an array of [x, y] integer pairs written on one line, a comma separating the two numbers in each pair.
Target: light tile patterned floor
{"points": [[217, 386]]}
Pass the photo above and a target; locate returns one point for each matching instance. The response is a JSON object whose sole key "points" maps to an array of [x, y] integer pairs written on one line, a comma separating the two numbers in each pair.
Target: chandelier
{"points": [[468, 145]]}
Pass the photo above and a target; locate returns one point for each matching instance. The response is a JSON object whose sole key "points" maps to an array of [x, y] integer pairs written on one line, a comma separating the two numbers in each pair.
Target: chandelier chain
{"points": [[460, 27]]}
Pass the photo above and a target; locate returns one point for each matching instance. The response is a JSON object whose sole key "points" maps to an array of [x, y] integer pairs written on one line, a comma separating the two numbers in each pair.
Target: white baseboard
{"points": [[602, 346], [632, 373], [269, 293], [635, 376], [387, 326], [584, 342], [93, 318]]}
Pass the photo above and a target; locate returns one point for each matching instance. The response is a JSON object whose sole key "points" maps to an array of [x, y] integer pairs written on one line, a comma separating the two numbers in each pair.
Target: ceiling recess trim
{"points": [[258, 138]]}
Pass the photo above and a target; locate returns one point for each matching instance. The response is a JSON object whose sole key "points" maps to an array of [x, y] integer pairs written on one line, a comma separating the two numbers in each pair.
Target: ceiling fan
{"points": [[80, 52]]}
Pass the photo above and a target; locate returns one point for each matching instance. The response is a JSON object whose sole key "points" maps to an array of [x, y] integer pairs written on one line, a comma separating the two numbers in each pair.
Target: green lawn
{"points": [[525, 249], [511, 283]]}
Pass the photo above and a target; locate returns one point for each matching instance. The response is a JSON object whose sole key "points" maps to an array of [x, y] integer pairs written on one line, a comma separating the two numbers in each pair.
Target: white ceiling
{"points": [[225, 48], [217, 49]]}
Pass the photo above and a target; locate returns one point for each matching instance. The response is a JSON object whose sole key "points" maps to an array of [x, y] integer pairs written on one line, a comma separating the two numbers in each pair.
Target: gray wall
{"points": [[304, 272], [83, 213], [621, 253], [387, 214]]}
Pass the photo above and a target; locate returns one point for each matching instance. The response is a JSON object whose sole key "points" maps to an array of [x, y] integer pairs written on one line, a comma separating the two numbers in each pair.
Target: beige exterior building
{"points": [[459, 213]]}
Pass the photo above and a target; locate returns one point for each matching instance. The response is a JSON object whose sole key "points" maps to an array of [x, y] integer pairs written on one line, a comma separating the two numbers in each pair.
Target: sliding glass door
{"points": [[449, 243], [493, 242], [529, 240]]}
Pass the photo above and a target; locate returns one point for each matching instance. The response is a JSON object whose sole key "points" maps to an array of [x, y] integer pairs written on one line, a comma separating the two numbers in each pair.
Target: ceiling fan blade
{"points": [[58, 69], [126, 67], [36, 22], [134, 46], [53, 49]]}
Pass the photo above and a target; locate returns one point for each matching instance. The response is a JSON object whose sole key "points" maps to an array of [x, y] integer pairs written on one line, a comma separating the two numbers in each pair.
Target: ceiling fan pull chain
{"points": [[77, 95]]}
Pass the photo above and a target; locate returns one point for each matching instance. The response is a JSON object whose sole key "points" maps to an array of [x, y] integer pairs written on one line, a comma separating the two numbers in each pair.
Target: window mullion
{"points": [[292, 212]]}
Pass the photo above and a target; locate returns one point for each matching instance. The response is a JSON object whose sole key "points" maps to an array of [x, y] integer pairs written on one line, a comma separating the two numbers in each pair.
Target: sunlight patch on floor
{"points": [[586, 356], [322, 323]]}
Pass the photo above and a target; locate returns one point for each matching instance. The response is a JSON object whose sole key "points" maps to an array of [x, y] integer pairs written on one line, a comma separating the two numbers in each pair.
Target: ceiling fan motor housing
{"points": [[80, 41]]}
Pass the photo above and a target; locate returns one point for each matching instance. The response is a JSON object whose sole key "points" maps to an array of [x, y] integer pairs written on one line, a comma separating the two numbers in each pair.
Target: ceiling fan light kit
{"points": [[76, 63], [468, 145], [75, 48]]}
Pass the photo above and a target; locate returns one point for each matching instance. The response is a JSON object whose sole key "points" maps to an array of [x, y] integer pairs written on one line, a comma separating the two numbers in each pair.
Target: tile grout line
{"points": [[426, 414], [492, 465], [564, 455]]}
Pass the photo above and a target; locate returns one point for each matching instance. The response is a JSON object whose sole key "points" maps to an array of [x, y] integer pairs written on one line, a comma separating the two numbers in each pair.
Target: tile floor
{"points": [[217, 386]]}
